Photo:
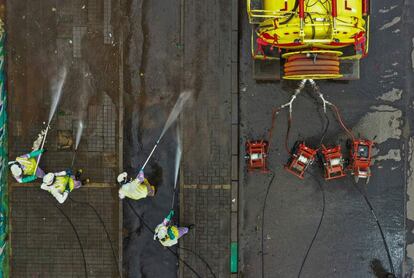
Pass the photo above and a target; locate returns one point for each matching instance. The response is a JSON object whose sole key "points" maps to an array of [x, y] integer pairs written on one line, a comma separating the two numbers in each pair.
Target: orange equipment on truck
{"points": [[256, 154], [333, 162], [301, 157], [360, 162]]}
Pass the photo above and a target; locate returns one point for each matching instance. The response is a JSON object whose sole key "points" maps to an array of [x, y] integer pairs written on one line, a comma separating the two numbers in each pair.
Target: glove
{"points": [[170, 215], [29, 179], [68, 172], [36, 153], [141, 176]]}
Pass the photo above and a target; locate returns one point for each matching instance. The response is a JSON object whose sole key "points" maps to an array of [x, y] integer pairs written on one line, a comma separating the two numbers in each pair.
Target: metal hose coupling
{"points": [[313, 84]]}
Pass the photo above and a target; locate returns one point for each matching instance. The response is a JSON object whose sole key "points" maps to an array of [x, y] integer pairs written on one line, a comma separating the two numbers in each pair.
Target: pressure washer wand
{"points": [[153, 149], [41, 148]]}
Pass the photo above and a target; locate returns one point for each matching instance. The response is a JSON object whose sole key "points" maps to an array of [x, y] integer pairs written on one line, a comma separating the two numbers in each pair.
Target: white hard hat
{"points": [[162, 232], [122, 177], [48, 178], [16, 170]]}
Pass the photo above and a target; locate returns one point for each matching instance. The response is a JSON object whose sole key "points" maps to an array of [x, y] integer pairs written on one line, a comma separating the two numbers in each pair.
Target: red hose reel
{"points": [[256, 155], [332, 162], [301, 158]]}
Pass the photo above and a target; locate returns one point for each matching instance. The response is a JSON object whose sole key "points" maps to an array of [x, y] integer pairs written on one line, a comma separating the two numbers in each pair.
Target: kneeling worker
{"points": [[135, 189], [61, 183], [24, 167], [168, 234]]}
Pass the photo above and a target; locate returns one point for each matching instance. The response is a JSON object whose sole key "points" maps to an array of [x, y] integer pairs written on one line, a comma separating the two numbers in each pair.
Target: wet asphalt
{"points": [[151, 89], [378, 106]]}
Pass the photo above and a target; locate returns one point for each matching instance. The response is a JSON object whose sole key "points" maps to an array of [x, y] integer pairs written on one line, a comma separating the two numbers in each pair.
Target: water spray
{"points": [[57, 89], [178, 107], [79, 132], [177, 164]]}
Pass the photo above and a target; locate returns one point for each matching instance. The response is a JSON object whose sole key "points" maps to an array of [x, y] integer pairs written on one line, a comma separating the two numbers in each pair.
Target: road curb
{"points": [[234, 138]]}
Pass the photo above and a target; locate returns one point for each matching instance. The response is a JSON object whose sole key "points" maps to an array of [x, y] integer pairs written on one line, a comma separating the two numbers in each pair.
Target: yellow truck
{"points": [[308, 39]]}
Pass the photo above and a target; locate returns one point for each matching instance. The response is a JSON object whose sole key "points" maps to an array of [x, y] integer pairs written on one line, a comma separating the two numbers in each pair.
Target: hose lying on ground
{"points": [[106, 231], [168, 248]]}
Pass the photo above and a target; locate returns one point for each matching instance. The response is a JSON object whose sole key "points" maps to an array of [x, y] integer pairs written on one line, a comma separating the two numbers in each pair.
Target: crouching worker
{"points": [[135, 189], [61, 183], [24, 167], [168, 234]]}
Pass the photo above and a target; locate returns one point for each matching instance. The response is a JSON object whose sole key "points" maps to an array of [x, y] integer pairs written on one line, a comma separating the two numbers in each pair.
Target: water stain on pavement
{"points": [[383, 123], [392, 95], [410, 205], [393, 154], [156, 174]]}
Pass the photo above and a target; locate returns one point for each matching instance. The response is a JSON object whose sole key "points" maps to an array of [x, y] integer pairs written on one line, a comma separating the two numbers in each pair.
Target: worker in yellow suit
{"points": [[24, 167], [135, 189], [61, 183], [168, 234]]}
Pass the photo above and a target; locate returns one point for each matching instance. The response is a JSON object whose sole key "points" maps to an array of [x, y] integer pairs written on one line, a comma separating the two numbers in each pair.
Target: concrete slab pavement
{"points": [[46, 39], [210, 70]]}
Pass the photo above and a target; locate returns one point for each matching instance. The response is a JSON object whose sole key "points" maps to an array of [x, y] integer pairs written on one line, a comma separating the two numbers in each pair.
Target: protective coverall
{"points": [[135, 189], [168, 234], [27, 163], [64, 182]]}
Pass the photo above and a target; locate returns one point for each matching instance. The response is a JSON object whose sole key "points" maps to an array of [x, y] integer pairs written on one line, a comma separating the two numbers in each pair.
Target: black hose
{"points": [[263, 215], [292, 14], [326, 129], [319, 225], [106, 231], [379, 228], [289, 126], [168, 248], [76, 233], [313, 26], [201, 258]]}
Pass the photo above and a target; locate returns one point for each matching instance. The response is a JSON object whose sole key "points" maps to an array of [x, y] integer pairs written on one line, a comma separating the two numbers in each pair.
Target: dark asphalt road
{"points": [[151, 89], [348, 240]]}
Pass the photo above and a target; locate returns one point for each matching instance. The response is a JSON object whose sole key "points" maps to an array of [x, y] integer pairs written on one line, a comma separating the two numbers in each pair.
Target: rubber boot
{"points": [[78, 174]]}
